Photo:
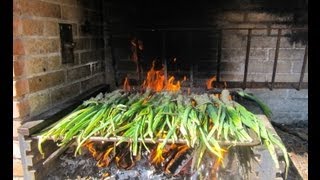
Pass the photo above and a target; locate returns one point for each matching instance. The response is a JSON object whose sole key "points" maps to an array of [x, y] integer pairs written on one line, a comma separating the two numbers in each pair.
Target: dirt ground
{"points": [[295, 137]]}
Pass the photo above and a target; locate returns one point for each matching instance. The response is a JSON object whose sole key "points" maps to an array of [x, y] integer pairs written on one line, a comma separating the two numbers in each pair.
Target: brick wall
{"points": [[205, 44], [263, 44], [288, 105], [40, 80]]}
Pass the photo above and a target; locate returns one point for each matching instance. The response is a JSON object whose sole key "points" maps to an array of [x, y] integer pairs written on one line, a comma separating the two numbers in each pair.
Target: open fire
{"points": [[198, 127], [176, 129]]}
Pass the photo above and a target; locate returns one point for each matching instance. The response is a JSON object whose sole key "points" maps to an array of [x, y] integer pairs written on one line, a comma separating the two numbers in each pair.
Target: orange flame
{"points": [[126, 85], [210, 82], [155, 80]]}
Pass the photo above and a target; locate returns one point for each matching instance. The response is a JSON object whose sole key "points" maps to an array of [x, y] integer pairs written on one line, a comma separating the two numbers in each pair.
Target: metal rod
{"points": [[219, 55], [179, 141], [164, 59], [57, 153], [191, 75], [190, 58], [212, 28], [275, 59], [303, 68], [247, 59]]}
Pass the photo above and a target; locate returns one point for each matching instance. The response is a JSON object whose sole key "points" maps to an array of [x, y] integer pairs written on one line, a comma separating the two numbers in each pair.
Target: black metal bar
{"points": [[164, 59], [275, 59], [219, 55], [259, 85], [247, 59], [213, 28], [191, 75], [303, 68]]}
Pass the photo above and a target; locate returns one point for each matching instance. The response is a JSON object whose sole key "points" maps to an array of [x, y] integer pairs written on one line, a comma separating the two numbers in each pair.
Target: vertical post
{"points": [[303, 68], [244, 85], [190, 58], [191, 75], [276, 59], [138, 62], [219, 54], [164, 59]]}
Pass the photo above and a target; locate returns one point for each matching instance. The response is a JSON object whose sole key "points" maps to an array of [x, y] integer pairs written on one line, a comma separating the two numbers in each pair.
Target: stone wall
{"points": [[40, 80]]}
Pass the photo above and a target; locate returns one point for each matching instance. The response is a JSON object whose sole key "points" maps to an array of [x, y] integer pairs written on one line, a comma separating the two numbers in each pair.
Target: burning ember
{"points": [[210, 81], [126, 85], [173, 159]]}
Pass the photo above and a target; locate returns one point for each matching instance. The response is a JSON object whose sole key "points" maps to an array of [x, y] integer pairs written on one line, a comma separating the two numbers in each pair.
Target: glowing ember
{"points": [[126, 85], [210, 82], [155, 80]]}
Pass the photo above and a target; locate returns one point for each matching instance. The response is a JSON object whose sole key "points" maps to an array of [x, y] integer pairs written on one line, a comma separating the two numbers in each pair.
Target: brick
{"points": [[89, 4], [231, 77], [284, 77], [263, 42], [54, 63], [39, 8], [256, 77], [122, 53], [82, 44], [15, 126], [32, 27], [74, 30], [39, 102], [97, 67], [77, 73], [288, 54], [65, 92], [95, 17], [97, 43], [267, 67], [16, 7], [233, 16], [51, 28], [45, 81], [232, 55], [92, 82], [17, 167], [40, 46], [86, 57], [18, 48], [300, 45], [18, 68], [17, 26], [126, 65], [231, 67], [258, 54], [233, 41], [20, 87], [267, 17], [20, 108], [210, 66], [297, 66], [16, 150], [69, 2], [36, 65], [72, 13]]}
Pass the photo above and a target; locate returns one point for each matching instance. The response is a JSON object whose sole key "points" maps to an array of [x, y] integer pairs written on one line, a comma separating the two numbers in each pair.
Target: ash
{"points": [[84, 167]]}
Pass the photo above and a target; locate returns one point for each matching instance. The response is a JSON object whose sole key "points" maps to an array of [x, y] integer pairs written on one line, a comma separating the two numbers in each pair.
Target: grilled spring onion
{"points": [[201, 120], [266, 110]]}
